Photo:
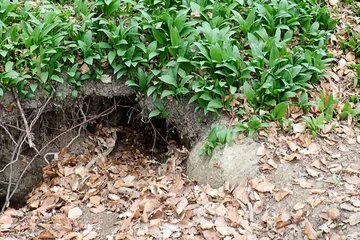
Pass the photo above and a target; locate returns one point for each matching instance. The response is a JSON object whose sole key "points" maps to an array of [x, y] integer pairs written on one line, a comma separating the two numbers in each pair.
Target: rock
{"points": [[230, 163]]}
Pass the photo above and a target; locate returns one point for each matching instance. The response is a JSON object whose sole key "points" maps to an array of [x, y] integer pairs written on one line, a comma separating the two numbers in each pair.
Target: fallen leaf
{"points": [[205, 224], [264, 186], [354, 219], [74, 213], [299, 127], [281, 194], [98, 209], [261, 151], [241, 193], [84, 69], [333, 213], [181, 205], [309, 231], [282, 220], [304, 184], [312, 172], [299, 206], [222, 227]]}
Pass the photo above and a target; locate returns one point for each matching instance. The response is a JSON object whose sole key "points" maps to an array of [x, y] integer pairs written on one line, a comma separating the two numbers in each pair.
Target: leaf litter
{"points": [[130, 195]]}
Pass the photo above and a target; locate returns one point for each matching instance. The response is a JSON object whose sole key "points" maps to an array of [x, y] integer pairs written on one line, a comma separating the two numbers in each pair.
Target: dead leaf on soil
{"points": [[354, 219], [309, 230], [74, 213]]}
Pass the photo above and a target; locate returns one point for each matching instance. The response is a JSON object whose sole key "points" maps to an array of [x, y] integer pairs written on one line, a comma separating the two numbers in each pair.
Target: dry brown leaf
{"points": [[74, 213], [241, 193], [297, 216], [84, 69], [280, 195], [181, 205], [333, 213], [46, 234], [222, 227], [261, 186], [293, 147], [309, 230], [299, 206], [95, 200], [210, 235], [317, 191], [299, 127], [261, 151], [304, 184], [354, 219], [312, 172], [293, 156], [205, 224], [98, 209], [282, 220], [314, 201]]}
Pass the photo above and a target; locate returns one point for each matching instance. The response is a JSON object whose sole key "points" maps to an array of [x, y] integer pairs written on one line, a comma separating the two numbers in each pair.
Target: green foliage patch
{"points": [[262, 52]]}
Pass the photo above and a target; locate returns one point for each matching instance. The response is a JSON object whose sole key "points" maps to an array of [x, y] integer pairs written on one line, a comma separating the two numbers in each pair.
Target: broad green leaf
{"points": [[33, 86], [280, 110], [88, 38], [203, 51], [154, 113], [1, 92], [174, 36], [166, 93], [169, 80], [215, 103], [8, 66], [159, 35], [142, 79], [150, 90], [44, 76], [111, 56], [249, 92], [193, 99], [57, 78], [74, 93], [216, 52], [206, 96]]}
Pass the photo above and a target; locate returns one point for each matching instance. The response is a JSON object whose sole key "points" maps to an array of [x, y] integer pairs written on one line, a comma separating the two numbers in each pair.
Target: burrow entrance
{"points": [[127, 122]]}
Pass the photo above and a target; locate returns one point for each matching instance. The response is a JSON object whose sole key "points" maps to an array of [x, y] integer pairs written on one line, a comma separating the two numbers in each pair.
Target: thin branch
{"points": [[26, 124], [14, 158], [7, 131]]}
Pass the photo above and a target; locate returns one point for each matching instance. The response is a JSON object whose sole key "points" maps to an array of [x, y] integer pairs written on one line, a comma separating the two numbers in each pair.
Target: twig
{"points": [[7, 131], [42, 108], [11, 126], [27, 129], [14, 158], [22, 138]]}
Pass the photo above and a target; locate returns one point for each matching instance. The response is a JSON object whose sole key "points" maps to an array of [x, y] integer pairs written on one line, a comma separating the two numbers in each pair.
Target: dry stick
{"points": [[27, 129], [18, 145], [7, 131], [104, 113], [14, 158]]}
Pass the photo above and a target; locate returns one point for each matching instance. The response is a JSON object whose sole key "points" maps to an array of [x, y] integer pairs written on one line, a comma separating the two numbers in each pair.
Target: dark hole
{"points": [[152, 136]]}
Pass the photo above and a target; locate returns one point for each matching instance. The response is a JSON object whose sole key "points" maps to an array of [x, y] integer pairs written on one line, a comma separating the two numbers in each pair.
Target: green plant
{"points": [[325, 104], [218, 136], [159, 111], [250, 126], [349, 110], [211, 51], [315, 124], [356, 67]]}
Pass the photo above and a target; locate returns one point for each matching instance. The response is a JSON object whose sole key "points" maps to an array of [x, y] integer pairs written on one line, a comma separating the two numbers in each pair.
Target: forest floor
{"points": [[309, 187]]}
